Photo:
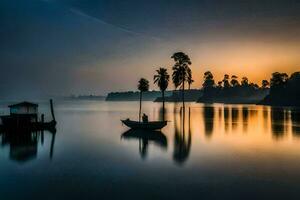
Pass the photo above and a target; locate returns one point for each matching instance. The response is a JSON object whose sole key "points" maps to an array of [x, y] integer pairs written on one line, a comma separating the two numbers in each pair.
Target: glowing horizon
{"points": [[95, 47]]}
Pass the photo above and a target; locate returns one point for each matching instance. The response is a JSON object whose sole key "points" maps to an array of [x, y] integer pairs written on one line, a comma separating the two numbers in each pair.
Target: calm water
{"points": [[212, 152]]}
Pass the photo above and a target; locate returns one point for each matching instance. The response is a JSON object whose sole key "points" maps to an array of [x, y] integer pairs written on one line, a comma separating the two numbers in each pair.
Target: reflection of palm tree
{"points": [[143, 86], [181, 71], [162, 80], [182, 145], [162, 111], [144, 138]]}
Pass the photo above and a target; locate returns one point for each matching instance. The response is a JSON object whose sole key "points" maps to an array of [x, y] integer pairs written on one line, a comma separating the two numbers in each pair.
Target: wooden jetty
{"points": [[24, 117]]}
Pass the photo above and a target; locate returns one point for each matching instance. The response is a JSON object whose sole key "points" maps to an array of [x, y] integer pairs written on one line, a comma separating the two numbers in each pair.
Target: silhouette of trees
{"points": [[181, 71], [219, 84], [190, 80], [284, 90], [229, 90], [143, 86], [265, 84], [234, 82], [161, 78], [294, 84], [245, 81], [209, 81], [278, 80], [225, 80], [254, 85]]}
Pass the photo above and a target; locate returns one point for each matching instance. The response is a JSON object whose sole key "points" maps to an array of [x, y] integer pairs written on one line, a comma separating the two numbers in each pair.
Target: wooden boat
{"points": [[151, 125]]}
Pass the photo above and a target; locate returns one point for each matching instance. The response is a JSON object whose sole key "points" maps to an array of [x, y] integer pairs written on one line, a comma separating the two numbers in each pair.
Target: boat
{"points": [[151, 125]]}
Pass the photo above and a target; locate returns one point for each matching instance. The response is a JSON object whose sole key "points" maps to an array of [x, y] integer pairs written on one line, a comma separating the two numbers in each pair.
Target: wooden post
{"points": [[52, 110], [42, 131], [52, 145]]}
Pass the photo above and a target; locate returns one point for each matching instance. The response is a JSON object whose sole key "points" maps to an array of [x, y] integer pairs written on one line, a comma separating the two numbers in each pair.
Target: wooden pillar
{"points": [[52, 110], [42, 130]]}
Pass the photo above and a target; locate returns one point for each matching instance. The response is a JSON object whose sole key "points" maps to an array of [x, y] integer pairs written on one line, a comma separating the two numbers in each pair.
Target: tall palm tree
{"points": [[189, 78], [161, 78], [143, 86], [181, 71]]}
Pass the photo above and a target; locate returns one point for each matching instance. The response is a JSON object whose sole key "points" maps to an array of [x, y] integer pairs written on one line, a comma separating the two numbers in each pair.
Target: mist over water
{"points": [[212, 151]]}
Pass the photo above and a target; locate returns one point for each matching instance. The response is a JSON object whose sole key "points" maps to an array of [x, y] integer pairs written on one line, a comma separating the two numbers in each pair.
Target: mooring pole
{"points": [[42, 131], [52, 145], [52, 110]]}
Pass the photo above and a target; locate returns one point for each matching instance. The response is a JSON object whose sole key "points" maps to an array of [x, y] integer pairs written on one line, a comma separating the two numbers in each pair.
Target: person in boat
{"points": [[145, 118]]}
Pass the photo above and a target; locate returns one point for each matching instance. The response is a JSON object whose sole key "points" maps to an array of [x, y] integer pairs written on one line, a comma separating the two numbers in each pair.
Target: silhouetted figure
{"points": [[145, 118]]}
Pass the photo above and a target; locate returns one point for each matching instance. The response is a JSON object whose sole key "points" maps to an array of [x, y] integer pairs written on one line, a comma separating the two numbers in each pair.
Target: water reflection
{"points": [[295, 118], [226, 118], [182, 137], [23, 146], [254, 123], [245, 118], [278, 121], [162, 113], [145, 137], [208, 117], [234, 117]]}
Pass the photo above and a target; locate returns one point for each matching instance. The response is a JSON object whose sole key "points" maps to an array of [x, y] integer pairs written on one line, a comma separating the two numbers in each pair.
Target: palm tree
{"points": [[189, 78], [143, 86], [162, 80], [181, 71]]}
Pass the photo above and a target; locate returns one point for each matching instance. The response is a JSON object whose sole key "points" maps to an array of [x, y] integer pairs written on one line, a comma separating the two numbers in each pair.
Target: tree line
{"points": [[182, 75], [227, 87], [230, 82]]}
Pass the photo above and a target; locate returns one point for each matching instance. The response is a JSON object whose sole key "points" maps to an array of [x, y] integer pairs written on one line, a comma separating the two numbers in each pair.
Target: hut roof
{"points": [[24, 103]]}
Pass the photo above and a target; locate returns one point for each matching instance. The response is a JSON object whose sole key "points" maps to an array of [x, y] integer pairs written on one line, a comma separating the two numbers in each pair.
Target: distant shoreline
{"points": [[86, 97]]}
